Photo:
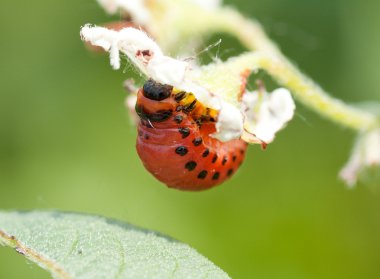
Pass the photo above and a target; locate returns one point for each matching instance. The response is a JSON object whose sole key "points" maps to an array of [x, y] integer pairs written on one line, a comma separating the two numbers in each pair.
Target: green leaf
{"points": [[73, 245]]}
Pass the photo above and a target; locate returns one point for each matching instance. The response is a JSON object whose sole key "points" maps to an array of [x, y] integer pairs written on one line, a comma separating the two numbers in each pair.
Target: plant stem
{"points": [[267, 56]]}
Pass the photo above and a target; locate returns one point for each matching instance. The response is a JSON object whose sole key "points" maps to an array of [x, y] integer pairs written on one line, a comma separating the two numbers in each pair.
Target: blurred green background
{"points": [[66, 143]]}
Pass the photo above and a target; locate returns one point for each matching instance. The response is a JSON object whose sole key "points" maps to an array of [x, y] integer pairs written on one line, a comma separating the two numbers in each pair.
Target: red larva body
{"points": [[174, 141]]}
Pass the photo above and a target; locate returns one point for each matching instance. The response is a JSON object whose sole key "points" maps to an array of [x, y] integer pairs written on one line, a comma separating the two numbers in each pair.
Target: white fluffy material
{"points": [[129, 41], [230, 123], [167, 70], [266, 114]]}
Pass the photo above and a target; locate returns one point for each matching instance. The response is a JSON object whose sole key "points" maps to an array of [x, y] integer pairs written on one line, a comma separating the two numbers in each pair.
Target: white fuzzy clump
{"points": [[141, 50], [128, 40], [267, 113], [230, 123]]}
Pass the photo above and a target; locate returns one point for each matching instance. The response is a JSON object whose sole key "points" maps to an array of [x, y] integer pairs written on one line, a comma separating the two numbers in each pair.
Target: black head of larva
{"points": [[156, 91]]}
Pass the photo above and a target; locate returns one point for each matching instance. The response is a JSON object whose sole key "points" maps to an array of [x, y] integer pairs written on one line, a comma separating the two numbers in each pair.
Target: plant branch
{"points": [[267, 56]]}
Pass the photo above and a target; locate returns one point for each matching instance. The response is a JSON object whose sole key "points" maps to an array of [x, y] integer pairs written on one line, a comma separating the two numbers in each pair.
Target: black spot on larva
{"points": [[178, 119], [188, 108], [140, 133], [214, 158], [179, 96], [224, 160], [156, 91], [215, 176], [234, 158], [146, 136], [199, 122], [242, 151], [204, 118], [191, 165], [202, 174], [197, 141], [179, 108], [158, 116], [230, 172], [185, 132], [181, 150], [205, 153]]}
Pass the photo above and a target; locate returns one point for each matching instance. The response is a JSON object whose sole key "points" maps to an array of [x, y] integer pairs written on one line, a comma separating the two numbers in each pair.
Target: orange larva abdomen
{"points": [[178, 150]]}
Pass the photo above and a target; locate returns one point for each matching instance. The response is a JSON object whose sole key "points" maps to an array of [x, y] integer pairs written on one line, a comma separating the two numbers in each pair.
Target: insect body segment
{"points": [[174, 141]]}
